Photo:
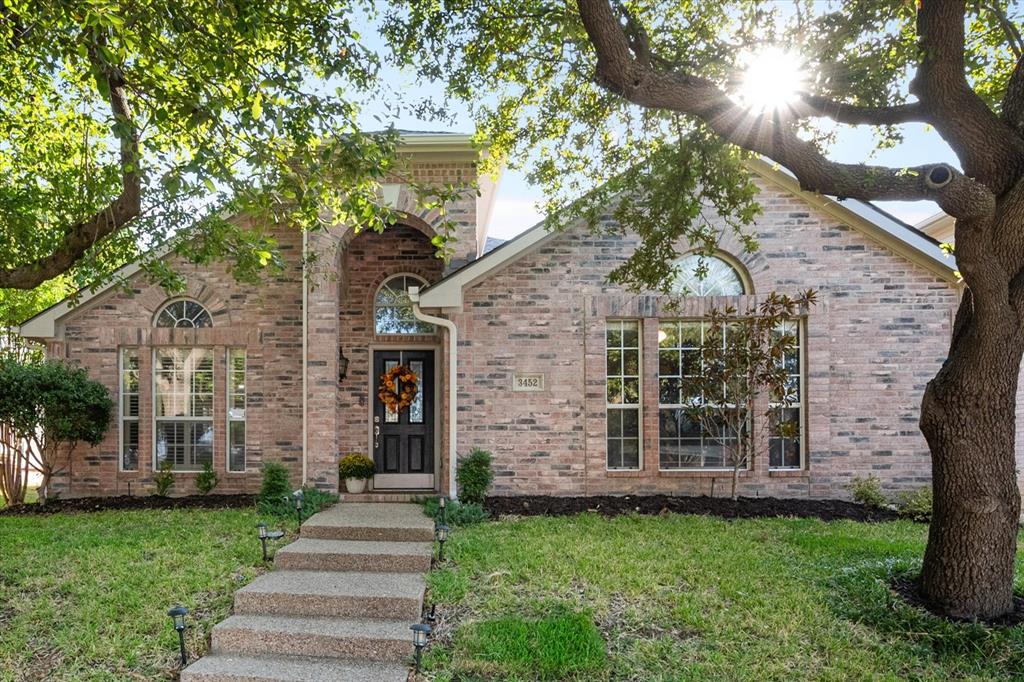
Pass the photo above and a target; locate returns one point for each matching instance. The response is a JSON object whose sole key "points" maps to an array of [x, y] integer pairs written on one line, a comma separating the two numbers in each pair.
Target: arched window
{"points": [[720, 277], [184, 313], [392, 309]]}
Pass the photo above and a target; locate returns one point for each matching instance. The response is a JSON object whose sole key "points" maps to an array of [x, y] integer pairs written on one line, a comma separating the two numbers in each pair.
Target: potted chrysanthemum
{"points": [[355, 469]]}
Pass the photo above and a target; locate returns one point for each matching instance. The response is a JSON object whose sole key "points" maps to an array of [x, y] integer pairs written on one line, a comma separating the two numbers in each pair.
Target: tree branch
{"points": [[769, 135], [851, 114], [1013, 100], [990, 150], [80, 237]]}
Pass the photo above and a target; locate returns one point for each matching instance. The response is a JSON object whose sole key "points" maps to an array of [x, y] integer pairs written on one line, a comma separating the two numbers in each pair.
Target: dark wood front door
{"points": [[403, 443]]}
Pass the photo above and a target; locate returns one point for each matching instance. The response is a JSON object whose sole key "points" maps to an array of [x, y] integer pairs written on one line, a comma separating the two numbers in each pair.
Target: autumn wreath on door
{"points": [[397, 388]]}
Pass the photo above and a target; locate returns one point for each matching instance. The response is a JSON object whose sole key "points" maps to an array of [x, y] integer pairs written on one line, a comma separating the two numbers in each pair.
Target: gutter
{"points": [[305, 355], [453, 378]]}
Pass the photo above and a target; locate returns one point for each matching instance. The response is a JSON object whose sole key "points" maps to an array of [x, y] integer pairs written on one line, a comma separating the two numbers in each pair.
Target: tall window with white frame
{"points": [[785, 439], [183, 407], [129, 409], [622, 388], [236, 409], [683, 442]]}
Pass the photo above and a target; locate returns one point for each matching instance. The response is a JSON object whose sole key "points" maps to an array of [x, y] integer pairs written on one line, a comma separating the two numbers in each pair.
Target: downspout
{"points": [[453, 375], [305, 355]]}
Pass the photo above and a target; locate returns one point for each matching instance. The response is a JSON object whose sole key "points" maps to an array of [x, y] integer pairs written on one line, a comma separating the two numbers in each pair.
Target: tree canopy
{"points": [[124, 122]]}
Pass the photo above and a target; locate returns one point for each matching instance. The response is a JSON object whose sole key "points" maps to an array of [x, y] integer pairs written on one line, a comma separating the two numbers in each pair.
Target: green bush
{"points": [[868, 491], [456, 514], [915, 505], [275, 482], [207, 479], [355, 465], [474, 476], [163, 480], [313, 500]]}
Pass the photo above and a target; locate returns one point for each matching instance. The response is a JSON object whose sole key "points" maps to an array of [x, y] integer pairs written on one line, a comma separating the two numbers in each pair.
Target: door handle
{"points": [[376, 437]]}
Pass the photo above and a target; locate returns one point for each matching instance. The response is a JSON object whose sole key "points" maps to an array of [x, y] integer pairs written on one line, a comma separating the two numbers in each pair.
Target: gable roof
{"points": [[863, 216]]}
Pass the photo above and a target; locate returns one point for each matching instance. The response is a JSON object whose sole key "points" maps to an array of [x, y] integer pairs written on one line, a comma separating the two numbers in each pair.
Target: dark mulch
{"points": [[743, 508], [89, 504], [909, 590]]}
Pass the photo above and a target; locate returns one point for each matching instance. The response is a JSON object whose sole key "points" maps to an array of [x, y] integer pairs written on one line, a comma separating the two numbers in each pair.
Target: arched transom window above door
{"points": [[720, 278], [392, 308], [183, 313]]}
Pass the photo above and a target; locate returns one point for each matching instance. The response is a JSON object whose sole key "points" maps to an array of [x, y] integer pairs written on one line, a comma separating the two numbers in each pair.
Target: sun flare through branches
{"points": [[771, 79]]}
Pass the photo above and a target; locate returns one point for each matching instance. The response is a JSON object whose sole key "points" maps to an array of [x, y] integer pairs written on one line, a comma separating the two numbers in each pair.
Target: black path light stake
{"points": [[442, 504], [297, 499], [420, 633], [431, 617], [267, 535], [440, 534], [177, 614]]}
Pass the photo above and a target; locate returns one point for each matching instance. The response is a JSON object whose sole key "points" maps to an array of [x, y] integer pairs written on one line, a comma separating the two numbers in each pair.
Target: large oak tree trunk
{"points": [[968, 418]]}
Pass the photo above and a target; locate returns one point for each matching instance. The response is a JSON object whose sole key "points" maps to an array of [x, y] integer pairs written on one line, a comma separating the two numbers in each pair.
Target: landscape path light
{"points": [[267, 535], [420, 633], [441, 535], [177, 614]]}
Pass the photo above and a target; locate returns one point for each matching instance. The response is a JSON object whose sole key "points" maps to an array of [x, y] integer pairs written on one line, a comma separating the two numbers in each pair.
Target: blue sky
{"points": [[516, 202]]}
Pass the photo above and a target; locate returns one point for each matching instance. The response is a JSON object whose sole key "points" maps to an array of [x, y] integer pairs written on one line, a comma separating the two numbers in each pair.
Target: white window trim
{"points": [[801, 325], [667, 406], [228, 395], [155, 419], [121, 417], [373, 305], [639, 407]]}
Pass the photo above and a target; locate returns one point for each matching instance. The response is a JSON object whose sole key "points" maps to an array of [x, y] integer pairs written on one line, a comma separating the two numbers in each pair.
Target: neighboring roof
{"points": [[44, 324], [872, 221], [940, 226]]}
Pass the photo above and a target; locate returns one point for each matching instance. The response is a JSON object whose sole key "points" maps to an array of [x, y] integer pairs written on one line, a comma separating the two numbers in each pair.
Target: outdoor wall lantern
{"points": [[440, 534], [267, 535], [342, 365], [177, 614], [420, 633]]}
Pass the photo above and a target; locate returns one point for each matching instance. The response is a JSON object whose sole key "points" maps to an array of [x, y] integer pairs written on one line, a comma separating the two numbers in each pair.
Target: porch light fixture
{"points": [[440, 534], [342, 365], [267, 535], [420, 633], [177, 614]]}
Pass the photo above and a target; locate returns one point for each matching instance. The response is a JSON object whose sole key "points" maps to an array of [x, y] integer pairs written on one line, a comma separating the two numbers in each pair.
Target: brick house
{"points": [[524, 350]]}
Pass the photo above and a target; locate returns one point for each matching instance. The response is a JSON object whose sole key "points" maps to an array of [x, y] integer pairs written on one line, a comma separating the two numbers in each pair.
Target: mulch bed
{"points": [[909, 591], [743, 508], [89, 504]]}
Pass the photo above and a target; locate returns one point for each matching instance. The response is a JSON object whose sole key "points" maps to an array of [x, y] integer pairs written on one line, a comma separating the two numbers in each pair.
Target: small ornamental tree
{"points": [[742, 366], [52, 406]]}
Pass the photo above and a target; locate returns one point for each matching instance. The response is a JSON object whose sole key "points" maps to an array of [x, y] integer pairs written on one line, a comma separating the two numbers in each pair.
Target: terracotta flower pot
{"points": [[354, 486]]}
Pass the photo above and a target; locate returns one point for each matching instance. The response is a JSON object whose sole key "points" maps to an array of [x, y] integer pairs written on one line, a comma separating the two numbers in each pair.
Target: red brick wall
{"points": [[878, 334]]}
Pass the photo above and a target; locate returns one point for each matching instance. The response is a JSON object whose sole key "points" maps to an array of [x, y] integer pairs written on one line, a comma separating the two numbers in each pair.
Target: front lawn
{"points": [[85, 596], [695, 598]]}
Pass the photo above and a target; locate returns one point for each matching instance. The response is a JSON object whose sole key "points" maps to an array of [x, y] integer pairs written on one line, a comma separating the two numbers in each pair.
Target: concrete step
{"points": [[381, 522], [244, 668], [308, 554], [397, 596], [368, 639]]}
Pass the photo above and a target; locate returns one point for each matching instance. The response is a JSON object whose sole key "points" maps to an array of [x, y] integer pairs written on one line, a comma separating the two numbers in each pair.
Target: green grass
{"points": [[696, 598], [85, 596]]}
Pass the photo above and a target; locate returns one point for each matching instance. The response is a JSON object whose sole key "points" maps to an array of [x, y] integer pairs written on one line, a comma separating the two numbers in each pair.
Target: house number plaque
{"points": [[527, 382]]}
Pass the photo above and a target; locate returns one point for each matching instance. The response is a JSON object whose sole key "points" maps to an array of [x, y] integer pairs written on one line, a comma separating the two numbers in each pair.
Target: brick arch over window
{"points": [[153, 299], [726, 275]]}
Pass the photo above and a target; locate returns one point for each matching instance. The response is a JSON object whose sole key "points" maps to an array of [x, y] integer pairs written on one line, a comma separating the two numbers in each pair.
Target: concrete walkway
{"points": [[338, 605]]}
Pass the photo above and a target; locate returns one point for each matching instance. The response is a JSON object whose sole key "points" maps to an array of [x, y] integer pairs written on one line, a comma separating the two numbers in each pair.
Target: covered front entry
{"points": [[403, 443]]}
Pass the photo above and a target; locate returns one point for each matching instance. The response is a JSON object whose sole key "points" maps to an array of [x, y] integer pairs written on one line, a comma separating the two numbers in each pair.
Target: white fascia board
{"points": [[448, 292]]}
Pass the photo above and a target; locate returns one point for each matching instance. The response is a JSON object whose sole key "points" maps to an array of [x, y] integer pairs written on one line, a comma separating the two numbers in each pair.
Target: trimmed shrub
{"points": [[275, 483], [355, 465], [915, 505], [474, 476], [456, 513], [868, 491], [313, 500], [163, 480], [207, 479]]}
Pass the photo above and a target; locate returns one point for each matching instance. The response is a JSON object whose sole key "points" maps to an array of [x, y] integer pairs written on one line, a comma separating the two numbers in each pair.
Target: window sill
{"points": [[701, 473], [787, 473], [624, 473]]}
